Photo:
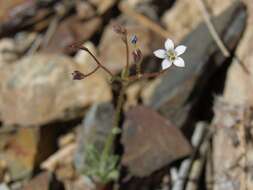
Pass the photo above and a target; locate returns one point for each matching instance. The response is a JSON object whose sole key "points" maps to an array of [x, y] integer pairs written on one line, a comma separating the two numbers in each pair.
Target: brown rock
{"points": [[20, 151], [7, 6], [83, 58], [150, 142], [7, 51], [44, 181], [81, 183], [40, 182], [23, 150], [3, 170], [133, 93], [11, 48], [40, 89], [70, 31], [84, 10], [60, 162], [103, 5]]}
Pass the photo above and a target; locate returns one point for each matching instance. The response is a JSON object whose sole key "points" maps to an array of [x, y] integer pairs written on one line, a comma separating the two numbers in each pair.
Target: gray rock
{"points": [[4, 187], [179, 89], [179, 25], [94, 130]]}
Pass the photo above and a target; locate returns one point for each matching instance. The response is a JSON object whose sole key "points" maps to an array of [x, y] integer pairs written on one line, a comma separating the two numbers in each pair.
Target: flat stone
{"points": [[84, 10], [24, 150], [103, 5], [39, 89], [44, 181], [70, 31], [7, 8], [18, 157], [150, 142], [147, 7], [40, 182]]}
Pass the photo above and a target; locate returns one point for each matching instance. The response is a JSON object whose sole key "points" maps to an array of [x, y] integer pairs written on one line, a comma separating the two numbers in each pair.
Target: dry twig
{"points": [[216, 37], [212, 29]]}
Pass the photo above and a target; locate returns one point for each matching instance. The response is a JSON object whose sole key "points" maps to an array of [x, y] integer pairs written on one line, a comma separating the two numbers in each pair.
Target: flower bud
{"points": [[134, 39], [137, 55], [77, 75]]}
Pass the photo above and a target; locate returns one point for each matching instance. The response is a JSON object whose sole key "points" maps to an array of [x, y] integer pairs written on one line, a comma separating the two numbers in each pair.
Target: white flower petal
{"points": [[169, 44], [166, 64], [180, 50], [160, 53], [179, 62]]}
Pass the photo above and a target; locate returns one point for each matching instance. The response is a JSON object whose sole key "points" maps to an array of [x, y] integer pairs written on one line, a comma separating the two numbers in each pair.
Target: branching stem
{"points": [[96, 60]]}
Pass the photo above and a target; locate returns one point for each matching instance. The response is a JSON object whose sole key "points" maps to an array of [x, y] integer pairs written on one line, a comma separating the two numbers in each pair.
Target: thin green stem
{"points": [[119, 105], [127, 52], [120, 100], [110, 140], [107, 151]]}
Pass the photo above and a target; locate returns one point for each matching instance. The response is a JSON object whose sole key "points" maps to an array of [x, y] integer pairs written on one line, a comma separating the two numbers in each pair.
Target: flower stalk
{"points": [[95, 59], [104, 167], [119, 105]]}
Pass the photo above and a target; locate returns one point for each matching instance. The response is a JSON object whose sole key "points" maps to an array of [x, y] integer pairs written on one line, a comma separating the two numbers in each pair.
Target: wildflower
{"points": [[170, 55]]}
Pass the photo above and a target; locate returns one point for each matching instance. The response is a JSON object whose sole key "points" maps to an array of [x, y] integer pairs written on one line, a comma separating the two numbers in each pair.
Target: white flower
{"points": [[170, 55]]}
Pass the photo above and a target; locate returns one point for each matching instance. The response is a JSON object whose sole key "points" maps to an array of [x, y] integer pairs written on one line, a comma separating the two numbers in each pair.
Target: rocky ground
{"points": [[187, 129]]}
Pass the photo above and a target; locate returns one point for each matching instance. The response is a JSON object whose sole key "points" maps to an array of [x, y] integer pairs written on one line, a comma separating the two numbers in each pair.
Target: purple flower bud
{"points": [[77, 75], [134, 39]]}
